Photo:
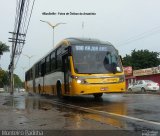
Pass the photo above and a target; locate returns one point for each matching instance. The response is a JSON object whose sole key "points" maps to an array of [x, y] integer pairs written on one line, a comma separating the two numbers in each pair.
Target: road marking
{"points": [[106, 113]]}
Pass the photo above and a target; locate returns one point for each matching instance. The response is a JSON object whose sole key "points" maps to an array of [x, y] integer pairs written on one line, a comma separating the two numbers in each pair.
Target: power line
{"points": [[30, 16], [22, 20], [143, 35], [26, 28]]}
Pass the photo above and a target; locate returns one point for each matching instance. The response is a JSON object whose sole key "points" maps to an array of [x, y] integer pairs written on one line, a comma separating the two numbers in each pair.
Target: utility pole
{"points": [[11, 66], [21, 25], [23, 73], [12, 79]]}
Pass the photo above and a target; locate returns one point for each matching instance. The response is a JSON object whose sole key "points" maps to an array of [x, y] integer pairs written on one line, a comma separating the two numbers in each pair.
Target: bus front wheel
{"points": [[98, 95]]}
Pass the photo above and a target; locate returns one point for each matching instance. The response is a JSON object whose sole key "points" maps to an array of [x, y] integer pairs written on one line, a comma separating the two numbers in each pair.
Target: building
{"points": [[148, 74], [130, 79], [142, 74]]}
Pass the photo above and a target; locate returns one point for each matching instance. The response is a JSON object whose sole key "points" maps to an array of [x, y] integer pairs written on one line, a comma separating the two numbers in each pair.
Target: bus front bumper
{"points": [[79, 89]]}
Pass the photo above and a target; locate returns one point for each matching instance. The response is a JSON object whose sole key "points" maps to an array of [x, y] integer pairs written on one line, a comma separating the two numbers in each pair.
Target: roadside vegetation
{"points": [[4, 75], [142, 59], [3, 48], [4, 80]]}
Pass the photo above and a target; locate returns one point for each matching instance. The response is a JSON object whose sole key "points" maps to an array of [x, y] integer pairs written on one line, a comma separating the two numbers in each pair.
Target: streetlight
{"points": [[53, 26], [23, 72], [29, 57]]}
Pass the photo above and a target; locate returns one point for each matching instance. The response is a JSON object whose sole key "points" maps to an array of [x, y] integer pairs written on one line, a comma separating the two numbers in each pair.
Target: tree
{"points": [[4, 79], [3, 48], [17, 81], [142, 59]]}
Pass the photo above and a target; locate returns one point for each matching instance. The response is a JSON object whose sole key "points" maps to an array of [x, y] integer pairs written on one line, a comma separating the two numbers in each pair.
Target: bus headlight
{"points": [[79, 81]]}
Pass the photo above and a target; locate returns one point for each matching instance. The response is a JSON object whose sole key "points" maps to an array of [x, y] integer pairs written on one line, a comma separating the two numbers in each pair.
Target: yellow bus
{"points": [[77, 66]]}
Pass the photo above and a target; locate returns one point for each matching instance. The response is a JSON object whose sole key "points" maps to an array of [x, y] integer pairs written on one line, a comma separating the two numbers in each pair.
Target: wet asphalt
{"points": [[139, 106], [23, 111]]}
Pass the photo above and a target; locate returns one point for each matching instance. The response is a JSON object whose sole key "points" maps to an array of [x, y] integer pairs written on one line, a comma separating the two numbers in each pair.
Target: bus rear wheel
{"points": [[59, 90], [97, 95]]}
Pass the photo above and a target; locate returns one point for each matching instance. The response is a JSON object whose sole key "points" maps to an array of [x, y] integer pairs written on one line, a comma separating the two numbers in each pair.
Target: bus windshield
{"points": [[95, 59]]}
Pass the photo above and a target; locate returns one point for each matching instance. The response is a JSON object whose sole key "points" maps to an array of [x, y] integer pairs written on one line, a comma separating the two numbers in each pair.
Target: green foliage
{"points": [[17, 81], [4, 79], [142, 59], [3, 48]]}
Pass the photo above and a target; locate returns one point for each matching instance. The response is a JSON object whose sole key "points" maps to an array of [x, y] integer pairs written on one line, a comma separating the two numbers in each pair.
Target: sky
{"points": [[127, 24]]}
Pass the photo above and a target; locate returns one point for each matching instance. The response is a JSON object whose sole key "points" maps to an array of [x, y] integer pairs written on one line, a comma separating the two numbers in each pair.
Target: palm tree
{"points": [[3, 48]]}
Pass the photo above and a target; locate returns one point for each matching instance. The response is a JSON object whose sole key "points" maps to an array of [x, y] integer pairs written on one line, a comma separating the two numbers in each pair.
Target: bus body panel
{"points": [[29, 86], [97, 88], [39, 85], [50, 81], [70, 80]]}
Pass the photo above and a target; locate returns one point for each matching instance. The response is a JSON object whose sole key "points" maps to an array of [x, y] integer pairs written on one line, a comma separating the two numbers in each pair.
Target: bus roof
{"points": [[73, 41], [85, 40]]}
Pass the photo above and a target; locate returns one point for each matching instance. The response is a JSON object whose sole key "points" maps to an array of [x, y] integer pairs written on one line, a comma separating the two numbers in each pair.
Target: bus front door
{"points": [[66, 70]]}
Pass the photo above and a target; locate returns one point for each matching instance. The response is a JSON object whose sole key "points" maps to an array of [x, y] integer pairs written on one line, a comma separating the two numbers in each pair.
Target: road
{"points": [[116, 114]]}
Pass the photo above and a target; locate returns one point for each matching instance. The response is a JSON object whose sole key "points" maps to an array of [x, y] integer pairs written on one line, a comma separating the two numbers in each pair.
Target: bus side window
{"points": [[48, 64], [39, 69], [59, 62], [59, 58], [53, 61], [69, 67], [37, 72], [66, 65]]}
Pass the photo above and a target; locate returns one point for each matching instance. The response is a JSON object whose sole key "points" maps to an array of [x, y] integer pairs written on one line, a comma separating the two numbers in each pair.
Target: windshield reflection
{"points": [[96, 59]]}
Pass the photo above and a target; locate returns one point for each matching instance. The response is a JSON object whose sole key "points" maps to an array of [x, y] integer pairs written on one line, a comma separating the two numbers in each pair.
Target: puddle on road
{"points": [[29, 103], [111, 104], [24, 102]]}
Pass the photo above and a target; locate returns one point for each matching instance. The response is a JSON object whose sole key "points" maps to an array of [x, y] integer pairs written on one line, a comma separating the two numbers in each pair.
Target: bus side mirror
{"points": [[114, 66], [121, 59]]}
